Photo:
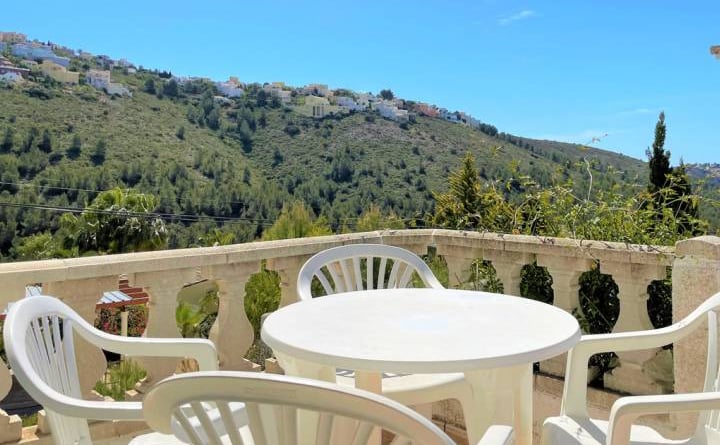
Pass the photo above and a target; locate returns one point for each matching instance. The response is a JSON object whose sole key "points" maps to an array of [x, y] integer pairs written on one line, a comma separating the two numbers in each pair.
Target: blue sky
{"points": [[565, 70]]}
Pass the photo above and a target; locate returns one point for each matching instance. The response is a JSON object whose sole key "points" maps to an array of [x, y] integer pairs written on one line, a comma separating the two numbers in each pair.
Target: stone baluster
{"points": [[508, 267], [232, 332], [565, 272], [82, 296], [458, 260], [163, 288], [695, 277], [10, 426], [633, 280], [17, 289], [288, 268]]}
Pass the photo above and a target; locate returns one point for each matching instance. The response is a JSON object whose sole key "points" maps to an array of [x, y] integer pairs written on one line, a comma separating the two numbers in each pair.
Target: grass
{"points": [[29, 419], [120, 377]]}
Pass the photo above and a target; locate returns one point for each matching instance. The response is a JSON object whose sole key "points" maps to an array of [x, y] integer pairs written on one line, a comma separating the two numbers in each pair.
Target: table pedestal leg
{"points": [[370, 381], [307, 421], [504, 396]]}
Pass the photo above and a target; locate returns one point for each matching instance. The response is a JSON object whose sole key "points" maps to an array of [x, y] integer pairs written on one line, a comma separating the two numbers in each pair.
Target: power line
{"points": [[171, 217], [75, 189]]}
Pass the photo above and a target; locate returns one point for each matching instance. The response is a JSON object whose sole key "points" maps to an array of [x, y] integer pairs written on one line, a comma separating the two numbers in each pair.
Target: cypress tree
{"points": [[659, 158]]}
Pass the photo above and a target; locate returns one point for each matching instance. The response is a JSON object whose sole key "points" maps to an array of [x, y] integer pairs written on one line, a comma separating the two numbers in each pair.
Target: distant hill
{"points": [[234, 161]]}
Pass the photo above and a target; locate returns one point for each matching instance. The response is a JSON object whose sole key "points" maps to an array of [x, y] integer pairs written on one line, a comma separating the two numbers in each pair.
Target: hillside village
{"points": [[21, 59]]}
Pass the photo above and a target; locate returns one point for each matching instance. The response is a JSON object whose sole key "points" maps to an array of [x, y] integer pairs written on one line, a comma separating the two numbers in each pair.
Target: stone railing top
{"points": [[539, 245], [417, 240]]}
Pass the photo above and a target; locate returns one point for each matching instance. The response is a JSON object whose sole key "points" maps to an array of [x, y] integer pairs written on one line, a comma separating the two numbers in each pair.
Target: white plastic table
{"points": [[492, 338]]}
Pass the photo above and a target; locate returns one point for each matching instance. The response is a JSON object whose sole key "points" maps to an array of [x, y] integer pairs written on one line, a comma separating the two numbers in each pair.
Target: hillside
{"points": [[234, 162]]}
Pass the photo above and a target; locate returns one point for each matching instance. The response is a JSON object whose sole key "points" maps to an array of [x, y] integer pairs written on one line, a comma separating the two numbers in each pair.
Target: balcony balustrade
{"points": [[79, 282]]}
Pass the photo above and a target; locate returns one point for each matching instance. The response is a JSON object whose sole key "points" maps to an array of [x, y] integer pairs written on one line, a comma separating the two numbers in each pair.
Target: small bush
{"points": [[119, 378]]}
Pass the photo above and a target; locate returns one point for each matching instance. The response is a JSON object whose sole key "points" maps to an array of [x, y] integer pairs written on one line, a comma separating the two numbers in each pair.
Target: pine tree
{"points": [[149, 86], [659, 158], [45, 144], [98, 156], [8, 141], [73, 152]]}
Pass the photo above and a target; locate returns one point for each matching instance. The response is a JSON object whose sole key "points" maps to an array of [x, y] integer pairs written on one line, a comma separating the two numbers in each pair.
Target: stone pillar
{"points": [[288, 268], [163, 288], [508, 266], [458, 260], [565, 272], [633, 280], [232, 332], [695, 277], [82, 296], [10, 426]]}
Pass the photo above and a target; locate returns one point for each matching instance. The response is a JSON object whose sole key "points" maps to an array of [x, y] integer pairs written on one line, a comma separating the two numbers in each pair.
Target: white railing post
{"points": [[565, 272], [163, 288], [232, 332], [695, 277], [288, 269], [633, 280]]}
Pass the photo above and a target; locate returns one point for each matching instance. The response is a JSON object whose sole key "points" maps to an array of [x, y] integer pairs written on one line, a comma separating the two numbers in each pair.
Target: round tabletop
{"points": [[420, 330]]}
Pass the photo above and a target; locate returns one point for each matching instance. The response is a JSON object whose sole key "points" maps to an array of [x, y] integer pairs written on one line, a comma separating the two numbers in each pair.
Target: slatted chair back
{"points": [[274, 403], [709, 421], [38, 337], [363, 267]]}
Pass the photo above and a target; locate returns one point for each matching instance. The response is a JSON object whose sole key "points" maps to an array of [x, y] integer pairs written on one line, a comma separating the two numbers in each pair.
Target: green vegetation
{"points": [[195, 320], [233, 164], [120, 377]]}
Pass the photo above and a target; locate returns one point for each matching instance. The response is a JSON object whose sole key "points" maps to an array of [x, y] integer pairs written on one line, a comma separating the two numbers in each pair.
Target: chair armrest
{"points": [[626, 410], [199, 349], [89, 409], [575, 391], [497, 435]]}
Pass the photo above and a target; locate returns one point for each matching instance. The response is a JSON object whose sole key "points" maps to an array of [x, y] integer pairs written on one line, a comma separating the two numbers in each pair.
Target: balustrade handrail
{"points": [[162, 274], [155, 261]]}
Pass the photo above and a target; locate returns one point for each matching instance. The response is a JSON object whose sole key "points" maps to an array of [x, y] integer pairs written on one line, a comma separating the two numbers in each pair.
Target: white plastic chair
{"points": [[273, 404], [574, 426], [38, 335], [340, 269]]}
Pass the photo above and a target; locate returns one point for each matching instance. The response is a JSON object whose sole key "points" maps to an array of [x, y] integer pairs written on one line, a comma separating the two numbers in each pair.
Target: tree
{"points": [[180, 133], [73, 152], [658, 158], [45, 144], [213, 119], [470, 205], [261, 98], [30, 139], [670, 187], [116, 221], [296, 221], [387, 94], [373, 219], [98, 155], [170, 89], [8, 141], [149, 86]]}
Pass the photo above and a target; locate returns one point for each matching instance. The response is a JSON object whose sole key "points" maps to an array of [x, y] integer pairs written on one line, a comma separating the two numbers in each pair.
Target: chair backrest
{"points": [[709, 421], [273, 404], [38, 337], [340, 269]]}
